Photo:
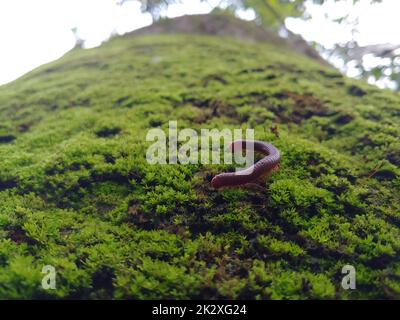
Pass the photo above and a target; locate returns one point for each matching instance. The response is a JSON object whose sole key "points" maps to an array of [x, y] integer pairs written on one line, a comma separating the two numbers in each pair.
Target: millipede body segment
{"points": [[250, 175]]}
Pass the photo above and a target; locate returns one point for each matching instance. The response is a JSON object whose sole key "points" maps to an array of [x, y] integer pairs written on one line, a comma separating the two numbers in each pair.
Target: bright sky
{"points": [[34, 32], [378, 23]]}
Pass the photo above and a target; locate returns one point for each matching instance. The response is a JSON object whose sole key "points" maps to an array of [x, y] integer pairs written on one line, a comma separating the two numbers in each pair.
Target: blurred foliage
{"points": [[272, 13], [155, 7]]}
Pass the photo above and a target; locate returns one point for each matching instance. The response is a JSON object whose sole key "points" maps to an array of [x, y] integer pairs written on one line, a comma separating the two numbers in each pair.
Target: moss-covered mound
{"points": [[78, 194]]}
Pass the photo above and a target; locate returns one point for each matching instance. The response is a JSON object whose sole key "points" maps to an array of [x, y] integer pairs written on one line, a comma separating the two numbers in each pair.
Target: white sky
{"points": [[34, 32], [378, 23]]}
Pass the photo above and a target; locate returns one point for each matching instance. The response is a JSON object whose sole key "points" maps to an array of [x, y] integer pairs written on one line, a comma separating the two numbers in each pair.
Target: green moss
{"points": [[77, 193]]}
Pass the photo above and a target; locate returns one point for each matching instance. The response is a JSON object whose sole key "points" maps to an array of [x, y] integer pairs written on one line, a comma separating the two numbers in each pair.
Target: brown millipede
{"points": [[253, 173]]}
